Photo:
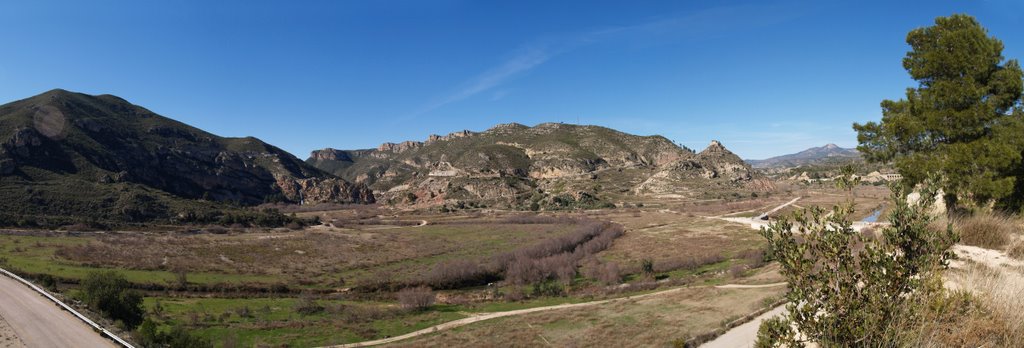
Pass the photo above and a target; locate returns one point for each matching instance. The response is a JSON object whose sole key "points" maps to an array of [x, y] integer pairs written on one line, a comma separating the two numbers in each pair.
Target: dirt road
{"points": [[37, 322], [762, 216], [487, 316]]}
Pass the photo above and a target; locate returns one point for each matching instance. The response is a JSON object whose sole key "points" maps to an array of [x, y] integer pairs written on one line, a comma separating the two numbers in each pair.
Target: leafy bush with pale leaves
{"points": [[847, 289]]}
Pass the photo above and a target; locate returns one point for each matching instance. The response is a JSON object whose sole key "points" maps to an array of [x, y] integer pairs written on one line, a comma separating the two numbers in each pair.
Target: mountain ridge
{"points": [[58, 141], [815, 155], [512, 160]]}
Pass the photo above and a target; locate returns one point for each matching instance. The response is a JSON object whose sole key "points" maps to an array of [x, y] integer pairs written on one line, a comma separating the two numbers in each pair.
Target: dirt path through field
{"points": [[749, 219], [750, 286], [486, 316], [759, 217]]}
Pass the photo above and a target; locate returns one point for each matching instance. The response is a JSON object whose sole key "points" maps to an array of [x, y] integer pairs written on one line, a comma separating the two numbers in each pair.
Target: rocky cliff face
{"points": [[723, 163], [512, 164], [67, 137], [319, 190]]}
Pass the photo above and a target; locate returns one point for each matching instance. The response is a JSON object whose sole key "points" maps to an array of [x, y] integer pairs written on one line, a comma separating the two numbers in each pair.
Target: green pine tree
{"points": [[962, 122]]}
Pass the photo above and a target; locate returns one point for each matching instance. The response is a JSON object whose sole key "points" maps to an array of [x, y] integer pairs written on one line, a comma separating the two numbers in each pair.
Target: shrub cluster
{"points": [[688, 262], [418, 298], [308, 305], [847, 289], [110, 293], [261, 218], [552, 259], [558, 258], [459, 273], [539, 219], [149, 335], [604, 272]]}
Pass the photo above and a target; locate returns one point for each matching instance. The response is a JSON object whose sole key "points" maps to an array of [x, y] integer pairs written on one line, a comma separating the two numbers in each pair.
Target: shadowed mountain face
{"points": [[816, 155], [55, 144], [512, 164]]}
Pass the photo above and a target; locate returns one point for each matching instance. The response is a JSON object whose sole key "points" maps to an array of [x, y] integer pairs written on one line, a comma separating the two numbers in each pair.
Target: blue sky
{"points": [[765, 78]]}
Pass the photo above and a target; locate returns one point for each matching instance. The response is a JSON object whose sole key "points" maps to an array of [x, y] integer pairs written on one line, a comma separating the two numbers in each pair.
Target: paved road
{"points": [[40, 323], [743, 336], [7, 337]]}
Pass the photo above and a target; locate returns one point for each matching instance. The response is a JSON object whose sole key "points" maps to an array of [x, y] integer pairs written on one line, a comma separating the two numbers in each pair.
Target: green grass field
{"points": [[35, 255], [276, 321]]}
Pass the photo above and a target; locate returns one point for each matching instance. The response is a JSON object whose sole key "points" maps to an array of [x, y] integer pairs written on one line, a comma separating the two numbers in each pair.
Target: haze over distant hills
{"points": [[814, 155]]}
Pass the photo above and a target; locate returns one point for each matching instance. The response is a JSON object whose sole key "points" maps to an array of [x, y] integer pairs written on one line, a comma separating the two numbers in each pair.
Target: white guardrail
{"points": [[81, 317]]}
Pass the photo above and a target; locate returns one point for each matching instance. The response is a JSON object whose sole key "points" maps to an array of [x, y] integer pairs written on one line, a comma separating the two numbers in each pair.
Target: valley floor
{"points": [[333, 284]]}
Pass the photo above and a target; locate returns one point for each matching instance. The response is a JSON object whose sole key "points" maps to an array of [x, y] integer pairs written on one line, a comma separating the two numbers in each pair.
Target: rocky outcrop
{"points": [[329, 154], [503, 127], [455, 135], [22, 141], [323, 190], [400, 147], [723, 163]]}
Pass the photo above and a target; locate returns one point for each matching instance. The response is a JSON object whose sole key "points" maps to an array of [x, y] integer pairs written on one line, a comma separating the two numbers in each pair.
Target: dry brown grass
{"points": [[725, 207], [988, 231], [957, 320], [674, 241], [312, 257], [1016, 249], [989, 311], [648, 322]]}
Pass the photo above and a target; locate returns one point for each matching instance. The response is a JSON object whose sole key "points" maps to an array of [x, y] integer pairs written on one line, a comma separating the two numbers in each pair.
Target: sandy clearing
{"points": [[992, 258]]}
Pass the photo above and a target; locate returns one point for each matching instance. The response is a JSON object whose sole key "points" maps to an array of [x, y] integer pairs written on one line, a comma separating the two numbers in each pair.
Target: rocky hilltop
{"points": [[515, 165], [64, 150]]}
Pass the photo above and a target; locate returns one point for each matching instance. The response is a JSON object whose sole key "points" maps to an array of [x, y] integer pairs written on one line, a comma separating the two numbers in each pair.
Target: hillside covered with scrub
{"points": [[68, 157], [549, 166]]}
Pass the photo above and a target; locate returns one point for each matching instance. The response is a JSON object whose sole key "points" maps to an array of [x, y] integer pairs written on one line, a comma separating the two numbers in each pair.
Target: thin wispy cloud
{"points": [[527, 59], [499, 94], [522, 60], [540, 51]]}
